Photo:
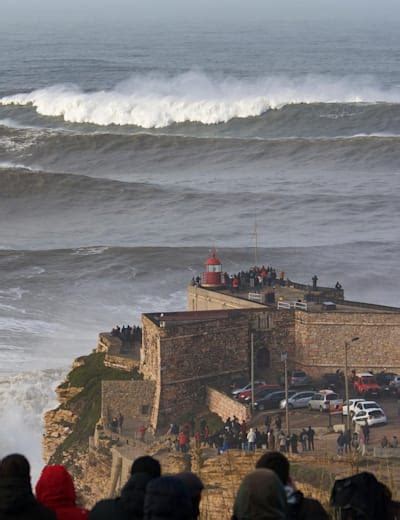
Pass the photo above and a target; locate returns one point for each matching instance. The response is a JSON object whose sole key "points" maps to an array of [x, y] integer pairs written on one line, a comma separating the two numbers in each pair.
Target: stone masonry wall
{"points": [[200, 299], [196, 355], [320, 339], [128, 398], [225, 406]]}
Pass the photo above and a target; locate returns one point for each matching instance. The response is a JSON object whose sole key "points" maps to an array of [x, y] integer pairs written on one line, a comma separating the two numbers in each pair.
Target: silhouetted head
{"points": [[167, 498], [277, 462], [15, 466], [261, 495], [194, 486], [146, 464]]}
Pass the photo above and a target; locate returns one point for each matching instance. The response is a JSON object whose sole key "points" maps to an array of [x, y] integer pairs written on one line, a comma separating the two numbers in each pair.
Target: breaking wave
{"points": [[156, 101]]}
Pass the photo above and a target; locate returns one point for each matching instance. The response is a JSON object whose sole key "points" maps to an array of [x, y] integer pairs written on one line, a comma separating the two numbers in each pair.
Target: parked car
{"points": [[324, 400], [372, 417], [298, 400], [238, 391], [262, 392], [246, 394], [365, 384], [363, 406], [394, 384], [334, 381], [271, 400], [299, 378], [350, 407], [384, 379]]}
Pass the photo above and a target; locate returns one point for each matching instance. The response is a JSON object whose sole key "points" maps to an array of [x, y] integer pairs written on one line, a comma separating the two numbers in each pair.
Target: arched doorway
{"points": [[262, 358]]}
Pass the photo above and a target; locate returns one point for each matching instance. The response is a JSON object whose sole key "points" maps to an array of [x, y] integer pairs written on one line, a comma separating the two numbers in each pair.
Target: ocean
{"points": [[127, 153]]}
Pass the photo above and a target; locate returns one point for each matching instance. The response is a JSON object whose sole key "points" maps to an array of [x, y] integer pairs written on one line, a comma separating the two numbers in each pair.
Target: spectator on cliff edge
{"points": [[130, 505], [310, 438], [120, 422], [55, 489], [299, 507], [16, 497]]}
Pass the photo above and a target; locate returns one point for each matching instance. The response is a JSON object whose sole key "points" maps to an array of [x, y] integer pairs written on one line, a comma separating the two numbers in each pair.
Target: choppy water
{"points": [[125, 155]]}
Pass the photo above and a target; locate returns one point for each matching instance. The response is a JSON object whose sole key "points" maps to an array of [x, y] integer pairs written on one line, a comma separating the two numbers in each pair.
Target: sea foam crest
{"points": [[155, 101]]}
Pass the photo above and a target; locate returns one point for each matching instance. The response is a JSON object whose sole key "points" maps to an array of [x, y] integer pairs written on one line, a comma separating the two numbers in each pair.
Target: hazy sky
{"points": [[218, 10]]}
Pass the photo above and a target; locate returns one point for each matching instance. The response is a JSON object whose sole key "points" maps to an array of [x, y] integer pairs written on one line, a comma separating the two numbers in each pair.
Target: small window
{"points": [[145, 409]]}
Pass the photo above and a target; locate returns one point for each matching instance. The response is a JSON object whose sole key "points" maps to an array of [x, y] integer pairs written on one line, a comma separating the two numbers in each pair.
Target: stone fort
{"points": [[186, 358]]}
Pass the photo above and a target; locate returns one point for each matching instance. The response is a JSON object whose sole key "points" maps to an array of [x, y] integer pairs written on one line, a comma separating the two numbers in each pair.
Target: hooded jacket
{"points": [[167, 498], [55, 490], [301, 508], [261, 496], [18, 503], [129, 506]]}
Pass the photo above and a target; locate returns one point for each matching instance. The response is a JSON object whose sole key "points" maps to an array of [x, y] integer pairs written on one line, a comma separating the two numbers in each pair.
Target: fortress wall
{"points": [[129, 398], [320, 339], [195, 355], [274, 330], [150, 349], [200, 299], [225, 406]]}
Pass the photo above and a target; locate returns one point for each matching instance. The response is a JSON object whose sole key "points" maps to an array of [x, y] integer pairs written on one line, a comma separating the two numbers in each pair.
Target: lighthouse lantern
{"points": [[212, 276]]}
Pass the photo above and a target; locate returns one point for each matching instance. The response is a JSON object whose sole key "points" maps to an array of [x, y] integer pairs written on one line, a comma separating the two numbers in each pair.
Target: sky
{"points": [[34, 11]]}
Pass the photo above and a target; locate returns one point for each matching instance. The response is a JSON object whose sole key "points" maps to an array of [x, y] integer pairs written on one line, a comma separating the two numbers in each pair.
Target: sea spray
{"points": [[23, 400]]}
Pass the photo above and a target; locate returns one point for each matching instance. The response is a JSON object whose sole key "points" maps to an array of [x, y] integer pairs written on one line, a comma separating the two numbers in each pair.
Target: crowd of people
{"points": [[238, 435], [127, 334], [267, 493], [255, 278]]}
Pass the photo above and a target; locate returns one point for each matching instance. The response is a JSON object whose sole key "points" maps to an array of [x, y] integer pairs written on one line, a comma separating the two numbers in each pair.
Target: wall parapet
{"points": [[225, 406]]}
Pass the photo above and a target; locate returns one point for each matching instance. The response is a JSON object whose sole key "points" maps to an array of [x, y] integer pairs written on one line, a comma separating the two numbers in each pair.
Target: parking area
{"points": [[321, 421]]}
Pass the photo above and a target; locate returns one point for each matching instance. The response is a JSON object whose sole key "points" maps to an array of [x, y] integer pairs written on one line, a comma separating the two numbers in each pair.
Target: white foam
{"points": [[89, 251], [158, 101], [15, 293], [28, 325], [23, 399]]}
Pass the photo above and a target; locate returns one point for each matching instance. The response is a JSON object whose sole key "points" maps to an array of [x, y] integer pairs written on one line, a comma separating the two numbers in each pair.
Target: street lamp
{"points": [[284, 356], [346, 378]]}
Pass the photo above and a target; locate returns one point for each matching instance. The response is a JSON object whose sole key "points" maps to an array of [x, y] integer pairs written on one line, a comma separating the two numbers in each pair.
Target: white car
{"points": [[350, 406], [324, 400], [364, 406], [298, 400], [372, 417]]}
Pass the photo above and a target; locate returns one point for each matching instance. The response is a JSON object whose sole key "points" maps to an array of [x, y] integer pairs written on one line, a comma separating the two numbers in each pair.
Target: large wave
{"points": [[156, 101]]}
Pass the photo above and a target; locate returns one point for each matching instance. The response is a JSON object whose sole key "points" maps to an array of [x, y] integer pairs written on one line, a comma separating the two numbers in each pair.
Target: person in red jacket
{"points": [[55, 490]]}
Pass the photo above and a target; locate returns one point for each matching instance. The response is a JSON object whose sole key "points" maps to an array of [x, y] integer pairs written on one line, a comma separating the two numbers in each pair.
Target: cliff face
{"points": [[68, 428]]}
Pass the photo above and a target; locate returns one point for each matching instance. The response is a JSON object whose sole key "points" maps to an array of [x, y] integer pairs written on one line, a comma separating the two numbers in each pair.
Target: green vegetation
{"points": [[87, 404]]}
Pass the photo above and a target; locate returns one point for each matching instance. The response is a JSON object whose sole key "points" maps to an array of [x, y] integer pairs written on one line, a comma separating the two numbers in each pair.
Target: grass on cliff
{"points": [[87, 404]]}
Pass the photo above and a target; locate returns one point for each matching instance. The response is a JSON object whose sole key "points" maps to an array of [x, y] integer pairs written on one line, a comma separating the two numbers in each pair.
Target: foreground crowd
{"points": [[267, 493]]}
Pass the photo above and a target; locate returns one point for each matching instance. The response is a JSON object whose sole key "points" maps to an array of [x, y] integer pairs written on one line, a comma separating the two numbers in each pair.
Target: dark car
{"points": [[260, 393], [272, 400], [333, 380], [384, 379]]}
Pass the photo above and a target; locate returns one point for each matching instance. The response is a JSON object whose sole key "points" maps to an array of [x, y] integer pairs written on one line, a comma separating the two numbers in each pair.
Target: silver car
{"points": [[298, 400]]}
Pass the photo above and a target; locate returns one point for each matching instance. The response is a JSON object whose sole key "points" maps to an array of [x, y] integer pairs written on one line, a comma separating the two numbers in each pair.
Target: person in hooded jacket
{"points": [[167, 498], [194, 486], [261, 496], [55, 490], [129, 506], [299, 507], [16, 498]]}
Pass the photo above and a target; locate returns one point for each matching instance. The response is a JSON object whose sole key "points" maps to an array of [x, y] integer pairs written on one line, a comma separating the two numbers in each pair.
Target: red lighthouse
{"points": [[212, 276]]}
